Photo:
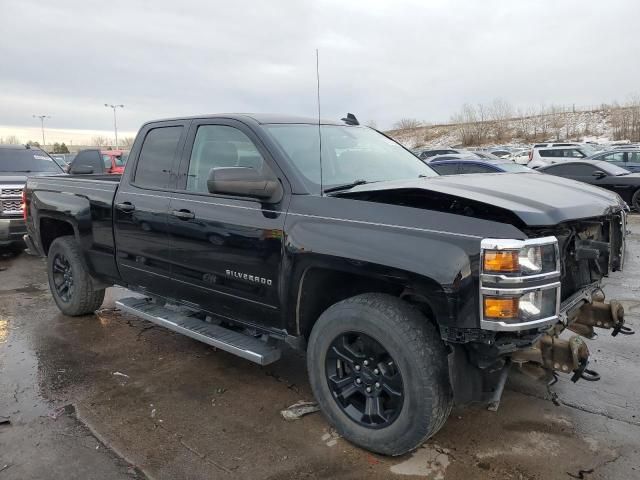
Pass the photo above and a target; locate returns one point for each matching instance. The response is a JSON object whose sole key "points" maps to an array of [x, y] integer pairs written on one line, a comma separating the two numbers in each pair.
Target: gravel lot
{"points": [[112, 397]]}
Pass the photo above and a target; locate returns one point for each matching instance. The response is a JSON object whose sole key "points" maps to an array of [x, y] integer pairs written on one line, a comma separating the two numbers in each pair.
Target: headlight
{"points": [[529, 306], [519, 257], [519, 283]]}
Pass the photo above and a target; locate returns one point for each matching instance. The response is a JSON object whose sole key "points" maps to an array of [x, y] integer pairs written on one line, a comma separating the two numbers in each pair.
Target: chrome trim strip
{"points": [[516, 291], [502, 279], [513, 244], [499, 326]]}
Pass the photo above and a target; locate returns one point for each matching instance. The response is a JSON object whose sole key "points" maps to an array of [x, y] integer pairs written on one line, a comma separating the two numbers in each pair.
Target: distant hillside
{"points": [[605, 123]]}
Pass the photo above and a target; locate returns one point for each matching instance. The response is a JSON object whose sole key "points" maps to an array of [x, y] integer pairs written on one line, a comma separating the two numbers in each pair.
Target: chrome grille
{"points": [[10, 199]]}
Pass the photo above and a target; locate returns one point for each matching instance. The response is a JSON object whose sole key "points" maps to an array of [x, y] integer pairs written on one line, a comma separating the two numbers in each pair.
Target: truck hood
{"points": [[536, 199], [20, 178]]}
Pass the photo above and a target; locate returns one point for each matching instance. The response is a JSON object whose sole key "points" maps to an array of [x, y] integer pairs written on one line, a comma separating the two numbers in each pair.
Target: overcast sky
{"points": [[382, 60]]}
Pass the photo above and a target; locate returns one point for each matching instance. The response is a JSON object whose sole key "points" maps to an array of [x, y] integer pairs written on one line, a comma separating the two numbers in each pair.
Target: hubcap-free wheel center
{"points": [[364, 380], [62, 277]]}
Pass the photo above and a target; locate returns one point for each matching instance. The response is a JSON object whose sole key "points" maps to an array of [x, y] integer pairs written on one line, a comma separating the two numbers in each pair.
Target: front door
{"points": [[141, 207], [226, 251]]}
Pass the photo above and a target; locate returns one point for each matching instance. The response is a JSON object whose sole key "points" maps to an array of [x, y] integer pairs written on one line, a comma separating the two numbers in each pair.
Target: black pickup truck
{"points": [[409, 291]]}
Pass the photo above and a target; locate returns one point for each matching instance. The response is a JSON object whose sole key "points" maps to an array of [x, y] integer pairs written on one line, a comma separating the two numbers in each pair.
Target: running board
{"points": [[245, 346]]}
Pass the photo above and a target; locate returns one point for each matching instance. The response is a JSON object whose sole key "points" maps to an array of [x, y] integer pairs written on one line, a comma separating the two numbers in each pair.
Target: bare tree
{"points": [[11, 140], [99, 141], [407, 124], [556, 120], [500, 112], [127, 142]]}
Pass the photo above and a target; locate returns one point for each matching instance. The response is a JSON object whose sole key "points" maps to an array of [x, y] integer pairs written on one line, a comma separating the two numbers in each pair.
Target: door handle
{"points": [[183, 214], [125, 206]]}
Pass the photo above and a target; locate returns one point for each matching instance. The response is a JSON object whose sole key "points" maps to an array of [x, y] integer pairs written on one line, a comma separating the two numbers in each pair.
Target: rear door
{"points": [[226, 251], [141, 207]]}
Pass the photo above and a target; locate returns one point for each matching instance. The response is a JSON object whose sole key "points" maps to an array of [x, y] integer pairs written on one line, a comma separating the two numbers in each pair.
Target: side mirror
{"points": [[244, 182], [81, 170], [599, 174]]}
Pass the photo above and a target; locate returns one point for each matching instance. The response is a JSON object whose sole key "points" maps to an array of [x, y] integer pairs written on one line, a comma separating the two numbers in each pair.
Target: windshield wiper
{"points": [[346, 186]]}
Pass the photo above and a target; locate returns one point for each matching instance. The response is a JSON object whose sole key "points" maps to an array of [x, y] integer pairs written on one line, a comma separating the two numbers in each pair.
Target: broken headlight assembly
{"points": [[519, 283]]}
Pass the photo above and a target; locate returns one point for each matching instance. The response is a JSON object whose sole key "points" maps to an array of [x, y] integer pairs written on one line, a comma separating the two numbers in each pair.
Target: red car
{"points": [[114, 160]]}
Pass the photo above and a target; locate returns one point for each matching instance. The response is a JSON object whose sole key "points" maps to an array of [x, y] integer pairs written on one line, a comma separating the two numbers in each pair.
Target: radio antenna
{"points": [[319, 128]]}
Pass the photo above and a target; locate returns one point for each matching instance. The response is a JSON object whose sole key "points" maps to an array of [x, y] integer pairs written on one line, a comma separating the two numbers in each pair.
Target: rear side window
{"points": [[157, 157], [474, 168], [445, 168], [549, 153]]}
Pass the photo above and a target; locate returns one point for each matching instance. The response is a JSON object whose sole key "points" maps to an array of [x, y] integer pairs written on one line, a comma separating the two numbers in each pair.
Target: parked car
{"points": [[501, 153], [521, 157], [541, 156], [424, 154], [628, 158], [452, 165], [601, 174], [16, 163], [114, 160], [409, 291]]}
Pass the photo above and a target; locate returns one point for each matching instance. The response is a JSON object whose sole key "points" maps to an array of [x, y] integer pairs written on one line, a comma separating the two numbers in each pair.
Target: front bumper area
{"points": [[11, 230]]}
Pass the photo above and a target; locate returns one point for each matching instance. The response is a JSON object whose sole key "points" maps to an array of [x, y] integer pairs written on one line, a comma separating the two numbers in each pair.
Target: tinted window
{"points": [[613, 157], [475, 168], [571, 170], [573, 153], [218, 146], [446, 168], [25, 160], [88, 158], [634, 157], [107, 161], [549, 153], [157, 157]]}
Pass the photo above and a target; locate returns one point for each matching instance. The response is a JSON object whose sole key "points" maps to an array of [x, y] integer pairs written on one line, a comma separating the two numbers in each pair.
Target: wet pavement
{"points": [[108, 396]]}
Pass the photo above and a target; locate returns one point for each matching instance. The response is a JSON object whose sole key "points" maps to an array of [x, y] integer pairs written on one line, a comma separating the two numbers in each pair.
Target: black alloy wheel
{"points": [[364, 380], [62, 277]]}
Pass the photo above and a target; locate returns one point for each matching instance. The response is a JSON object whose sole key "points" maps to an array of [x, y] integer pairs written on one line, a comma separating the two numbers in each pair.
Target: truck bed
{"points": [[87, 202]]}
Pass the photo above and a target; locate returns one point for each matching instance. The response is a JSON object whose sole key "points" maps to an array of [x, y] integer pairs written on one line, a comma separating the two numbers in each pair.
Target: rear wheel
{"points": [[635, 201], [69, 281], [379, 371]]}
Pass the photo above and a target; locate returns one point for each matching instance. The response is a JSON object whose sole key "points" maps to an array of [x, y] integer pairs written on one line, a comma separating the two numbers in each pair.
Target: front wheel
{"points": [[379, 372], [69, 280]]}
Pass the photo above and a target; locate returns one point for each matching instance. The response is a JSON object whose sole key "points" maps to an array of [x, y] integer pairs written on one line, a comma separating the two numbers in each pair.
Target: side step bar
{"points": [[245, 346]]}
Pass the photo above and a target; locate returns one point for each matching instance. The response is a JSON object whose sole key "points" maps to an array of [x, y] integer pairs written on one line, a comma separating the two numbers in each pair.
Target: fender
{"points": [[434, 254]]}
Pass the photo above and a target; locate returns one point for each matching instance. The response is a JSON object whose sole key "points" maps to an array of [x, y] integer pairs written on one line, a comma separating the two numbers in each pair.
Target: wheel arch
{"points": [[321, 286]]}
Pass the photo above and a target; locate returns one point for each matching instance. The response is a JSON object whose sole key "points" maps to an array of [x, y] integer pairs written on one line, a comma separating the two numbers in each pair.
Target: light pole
{"points": [[115, 123], [42, 117]]}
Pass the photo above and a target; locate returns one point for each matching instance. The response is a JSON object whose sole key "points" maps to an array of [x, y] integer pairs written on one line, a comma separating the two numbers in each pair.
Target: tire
{"points": [[80, 297], [415, 347], [635, 201]]}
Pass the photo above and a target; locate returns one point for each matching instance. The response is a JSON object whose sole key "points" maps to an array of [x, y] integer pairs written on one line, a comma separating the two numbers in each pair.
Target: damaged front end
{"points": [[530, 292]]}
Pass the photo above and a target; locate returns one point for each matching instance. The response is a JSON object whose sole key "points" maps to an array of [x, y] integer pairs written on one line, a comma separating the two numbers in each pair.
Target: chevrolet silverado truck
{"points": [[16, 163], [408, 290]]}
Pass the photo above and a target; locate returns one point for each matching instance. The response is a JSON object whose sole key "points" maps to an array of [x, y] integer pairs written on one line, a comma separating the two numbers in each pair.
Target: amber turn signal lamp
{"points": [[500, 307], [505, 261]]}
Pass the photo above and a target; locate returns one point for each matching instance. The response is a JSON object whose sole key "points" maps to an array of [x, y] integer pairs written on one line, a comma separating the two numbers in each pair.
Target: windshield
{"points": [[514, 167], [18, 160], [349, 154], [588, 150]]}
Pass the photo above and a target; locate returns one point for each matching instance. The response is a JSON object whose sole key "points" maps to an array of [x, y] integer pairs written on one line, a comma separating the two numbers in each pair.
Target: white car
{"points": [[541, 156], [521, 157]]}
